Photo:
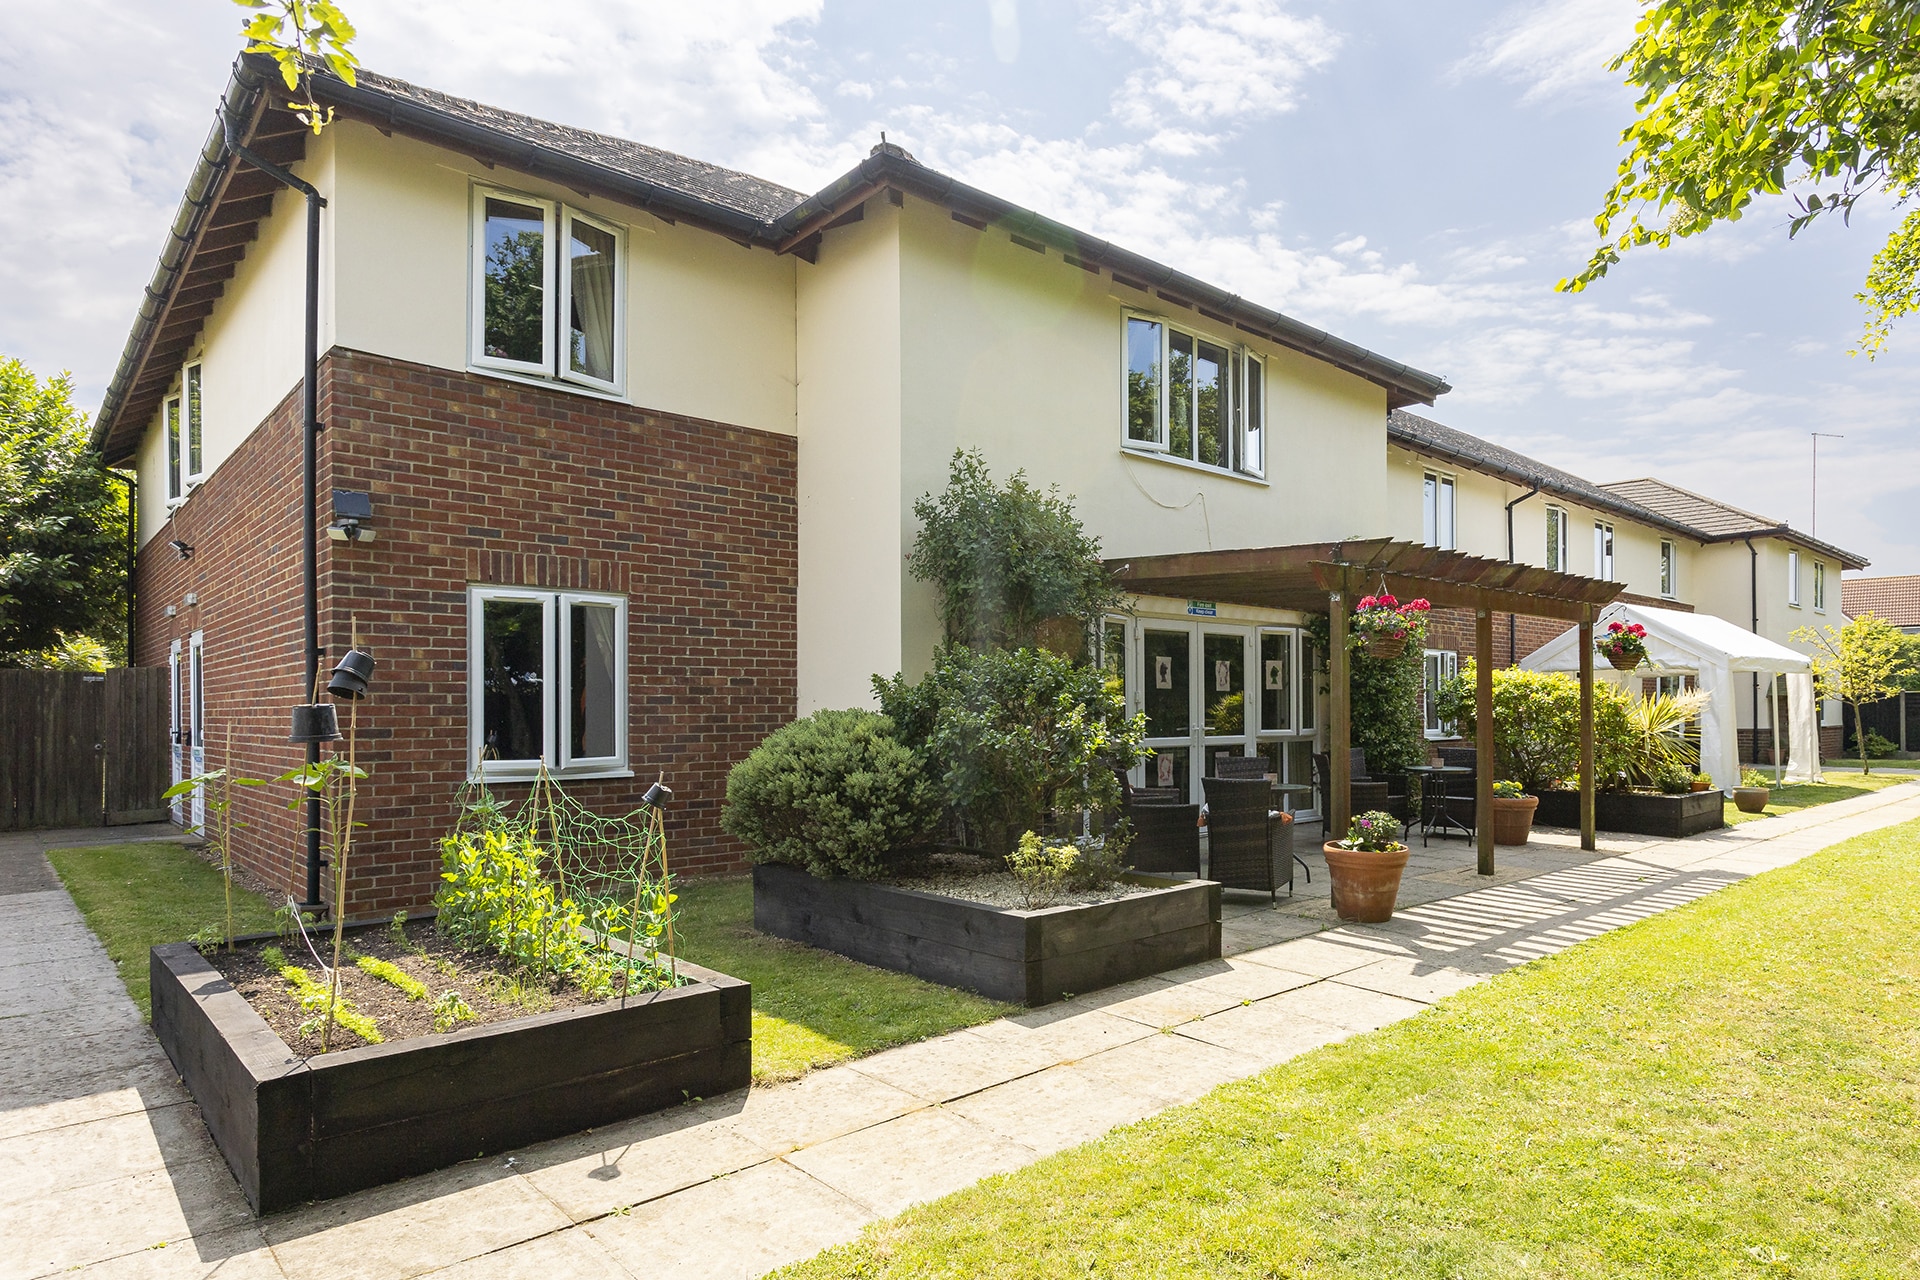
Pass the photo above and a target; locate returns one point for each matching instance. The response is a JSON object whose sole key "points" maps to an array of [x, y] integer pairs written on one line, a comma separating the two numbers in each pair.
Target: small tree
{"points": [[1859, 663], [1006, 560]]}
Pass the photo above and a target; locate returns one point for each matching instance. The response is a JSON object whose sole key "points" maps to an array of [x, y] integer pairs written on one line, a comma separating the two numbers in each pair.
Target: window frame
{"points": [[1236, 375], [1558, 522], [1603, 551], [477, 356], [1431, 485], [1669, 569], [1436, 730], [562, 350], [193, 426], [1819, 586], [175, 449], [557, 676], [1793, 579]]}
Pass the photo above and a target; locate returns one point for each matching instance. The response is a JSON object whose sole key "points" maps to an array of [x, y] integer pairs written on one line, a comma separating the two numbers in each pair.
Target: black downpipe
{"points": [[1753, 592], [1511, 641], [310, 466]]}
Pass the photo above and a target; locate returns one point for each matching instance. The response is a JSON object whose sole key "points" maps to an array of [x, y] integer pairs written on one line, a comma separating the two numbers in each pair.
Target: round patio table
{"points": [[1434, 782]]}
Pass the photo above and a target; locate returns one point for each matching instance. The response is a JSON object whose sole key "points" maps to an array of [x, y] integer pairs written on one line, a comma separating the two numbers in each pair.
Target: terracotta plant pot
{"points": [[1703, 784], [1513, 818], [1386, 646], [1365, 884], [1751, 799], [1623, 661]]}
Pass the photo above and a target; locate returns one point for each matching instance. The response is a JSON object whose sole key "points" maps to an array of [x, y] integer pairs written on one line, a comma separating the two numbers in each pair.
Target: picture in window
{"points": [[515, 281], [513, 681], [1276, 684]]}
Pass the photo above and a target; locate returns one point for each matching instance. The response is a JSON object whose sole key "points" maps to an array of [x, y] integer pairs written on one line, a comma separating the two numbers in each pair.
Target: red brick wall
{"points": [[478, 480]]}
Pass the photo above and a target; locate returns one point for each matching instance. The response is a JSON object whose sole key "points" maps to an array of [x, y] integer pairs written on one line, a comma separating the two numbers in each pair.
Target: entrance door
{"points": [[197, 721], [1223, 694], [1166, 696], [176, 727]]}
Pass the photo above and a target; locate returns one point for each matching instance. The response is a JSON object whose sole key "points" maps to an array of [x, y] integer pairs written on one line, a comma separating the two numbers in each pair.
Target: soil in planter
{"points": [[483, 980], [986, 880]]}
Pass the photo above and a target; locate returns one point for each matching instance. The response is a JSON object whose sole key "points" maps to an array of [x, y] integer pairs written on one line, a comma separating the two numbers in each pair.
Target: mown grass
{"points": [[812, 1008], [1805, 795], [1729, 1089], [136, 896]]}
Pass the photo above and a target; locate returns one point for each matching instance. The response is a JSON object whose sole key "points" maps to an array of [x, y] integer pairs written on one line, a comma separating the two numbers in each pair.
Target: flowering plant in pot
{"points": [[1754, 791], [1365, 868], [1384, 626], [1512, 812], [1624, 645]]}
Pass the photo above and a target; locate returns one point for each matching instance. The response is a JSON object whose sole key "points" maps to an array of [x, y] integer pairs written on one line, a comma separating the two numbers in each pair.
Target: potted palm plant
{"points": [[1752, 794], [1383, 626], [1512, 813], [1365, 868]]}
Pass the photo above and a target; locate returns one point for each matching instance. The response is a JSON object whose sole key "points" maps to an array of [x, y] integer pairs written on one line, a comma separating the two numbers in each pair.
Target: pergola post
{"points": [[1339, 720], [1483, 763], [1587, 838]]}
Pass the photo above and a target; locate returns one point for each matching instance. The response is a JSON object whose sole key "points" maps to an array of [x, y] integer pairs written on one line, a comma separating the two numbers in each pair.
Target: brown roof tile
{"points": [[1896, 599]]}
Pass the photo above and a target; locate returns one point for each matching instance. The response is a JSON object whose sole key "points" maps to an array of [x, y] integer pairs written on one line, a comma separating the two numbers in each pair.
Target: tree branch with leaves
{"points": [[300, 35]]}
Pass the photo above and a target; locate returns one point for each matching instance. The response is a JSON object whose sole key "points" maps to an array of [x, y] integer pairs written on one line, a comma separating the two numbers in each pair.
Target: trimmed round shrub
{"points": [[836, 793]]}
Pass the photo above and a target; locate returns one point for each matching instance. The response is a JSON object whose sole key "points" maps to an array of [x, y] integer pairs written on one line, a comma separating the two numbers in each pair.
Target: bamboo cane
{"points": [[342, 846]]}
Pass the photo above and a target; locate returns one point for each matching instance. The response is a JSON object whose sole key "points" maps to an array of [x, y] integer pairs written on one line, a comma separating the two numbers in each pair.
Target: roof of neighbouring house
{"points": [[224, 201], [1718, 520], [1896, 599]]}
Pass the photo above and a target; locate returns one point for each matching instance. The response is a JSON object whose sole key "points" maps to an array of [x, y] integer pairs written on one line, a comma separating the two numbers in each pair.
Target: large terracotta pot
{"points": [[1386, 646], [1365, 884], [1751, 799], [1513, 818]]}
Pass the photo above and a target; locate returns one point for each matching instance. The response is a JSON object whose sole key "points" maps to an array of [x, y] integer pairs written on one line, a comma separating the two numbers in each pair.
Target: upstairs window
{"points": [[547, 283], [1603, 551], [1668, 569], [1436, 515], [1195, 399], [1819, 586], [172, 414], [196, 454], [1557, 540], [1793, 578], [547, 678], [186, 447]]}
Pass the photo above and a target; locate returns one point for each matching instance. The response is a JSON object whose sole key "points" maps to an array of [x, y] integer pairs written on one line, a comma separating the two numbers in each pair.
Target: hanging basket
{"points": [[1623, 661], [1386, 646]]}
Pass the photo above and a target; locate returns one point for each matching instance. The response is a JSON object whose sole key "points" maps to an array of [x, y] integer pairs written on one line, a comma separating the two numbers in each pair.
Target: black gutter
{"points": [[309, 460], [1510, 621]]}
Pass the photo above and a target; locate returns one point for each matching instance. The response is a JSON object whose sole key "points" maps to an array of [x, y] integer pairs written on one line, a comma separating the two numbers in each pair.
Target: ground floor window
{"points": [[547, 681], [1441, 665]]}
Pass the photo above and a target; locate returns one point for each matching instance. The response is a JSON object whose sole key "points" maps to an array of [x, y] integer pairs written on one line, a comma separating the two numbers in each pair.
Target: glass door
{"points": [[197, 723], [1223, 694], [176, 727], [1166, 696], [1285, 734]]}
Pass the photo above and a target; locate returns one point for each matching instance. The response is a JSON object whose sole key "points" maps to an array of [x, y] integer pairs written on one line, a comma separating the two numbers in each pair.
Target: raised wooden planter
{"points": [[1636, 813], [1025, 957], [296, 1129]]}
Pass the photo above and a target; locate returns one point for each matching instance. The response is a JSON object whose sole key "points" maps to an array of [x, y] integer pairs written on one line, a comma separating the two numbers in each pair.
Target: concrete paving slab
{"points": [[563, 1255], [1412, 979], [1060, 1107], [1267, 1032], [916, 1158], [625, 1164], [237, 1254], [817, 1107], [1068, 1031], [65, 1230], [1168, 1068], [413, 1227], [1349, 1007], [149, 1087], [733, 1228], [1326, 954], [1199, 990], [103, 1150], [952, 1066]]}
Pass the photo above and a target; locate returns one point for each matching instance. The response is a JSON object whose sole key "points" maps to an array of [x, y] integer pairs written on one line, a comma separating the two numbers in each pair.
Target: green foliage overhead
{"points": [[1015, 736], [1746, 98], [1536, 724], [1386, 702], [300, 35], [63, 525], [1006, 560], [836, 793]]}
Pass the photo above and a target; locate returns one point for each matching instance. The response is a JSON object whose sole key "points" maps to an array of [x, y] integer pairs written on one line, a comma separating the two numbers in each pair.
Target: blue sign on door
{"points": [[1201, 609]]}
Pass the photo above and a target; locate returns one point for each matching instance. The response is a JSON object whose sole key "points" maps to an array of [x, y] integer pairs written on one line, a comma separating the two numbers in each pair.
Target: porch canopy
{"points": [[1713, 651], [1327, 577]]}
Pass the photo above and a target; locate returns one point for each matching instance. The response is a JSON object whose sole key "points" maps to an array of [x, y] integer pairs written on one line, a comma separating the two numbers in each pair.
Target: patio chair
{"points": [[1166, 837], [1242, 767], [1364, 794], [1249, 844], [1461, 789]]}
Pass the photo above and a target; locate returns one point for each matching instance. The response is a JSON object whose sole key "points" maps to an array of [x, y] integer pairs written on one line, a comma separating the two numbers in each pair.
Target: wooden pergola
{"points": [[1328, 577]]}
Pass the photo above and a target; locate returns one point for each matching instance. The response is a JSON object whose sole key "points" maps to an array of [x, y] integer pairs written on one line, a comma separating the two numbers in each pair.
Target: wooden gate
{"points": [[79, 750]]}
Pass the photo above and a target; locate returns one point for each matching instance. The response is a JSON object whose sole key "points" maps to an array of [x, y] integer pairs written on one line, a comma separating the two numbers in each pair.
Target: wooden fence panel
{"points": [[135, 733]]}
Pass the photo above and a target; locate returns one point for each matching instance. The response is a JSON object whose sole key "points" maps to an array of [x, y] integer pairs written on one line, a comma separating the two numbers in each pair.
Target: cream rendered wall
{"points": [[848, 343], [1732, 595], [1019, 354], [250, 348], [710, 325]]}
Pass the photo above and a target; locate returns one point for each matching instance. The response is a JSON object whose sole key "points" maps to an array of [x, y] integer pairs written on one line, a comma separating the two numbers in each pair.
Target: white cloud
{"points": [[1555, 49], [1214, 60]]}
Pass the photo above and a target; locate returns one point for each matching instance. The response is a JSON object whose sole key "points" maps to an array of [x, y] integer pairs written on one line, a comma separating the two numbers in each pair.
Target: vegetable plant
{"points": [[217, 799]]}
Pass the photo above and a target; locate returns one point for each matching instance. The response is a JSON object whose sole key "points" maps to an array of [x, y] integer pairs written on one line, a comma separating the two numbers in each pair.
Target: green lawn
{"points": [[136, 896], [1805, 795], [1729, 1089], [812, 1008]]}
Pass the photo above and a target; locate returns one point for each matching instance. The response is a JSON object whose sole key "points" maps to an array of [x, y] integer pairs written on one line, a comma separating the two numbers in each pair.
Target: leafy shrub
{"points": [[835, 793], [1754, 778], [1041, 870], [1673, 780], [1536, 728], [1013, 737], [1879, 747], [1006, 561], [1386, 719], [1372, 832]]}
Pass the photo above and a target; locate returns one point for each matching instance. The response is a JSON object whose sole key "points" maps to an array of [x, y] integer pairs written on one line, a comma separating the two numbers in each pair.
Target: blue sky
{"points": [[1410, 175]]}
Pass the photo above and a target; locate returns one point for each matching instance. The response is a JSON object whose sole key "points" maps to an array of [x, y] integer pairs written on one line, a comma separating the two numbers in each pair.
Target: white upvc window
{"points": [[1603, 551], [194, 461], [1190, 397], [1819, 587], [1669, 569], [548, 285], [170, 414], [1793, 579], [1436, 511], [1440, 666], [1557, 539], [547, 682]]}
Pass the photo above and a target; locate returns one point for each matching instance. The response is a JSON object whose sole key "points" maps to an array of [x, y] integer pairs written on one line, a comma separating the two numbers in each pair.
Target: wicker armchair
{"points": [[1249, 845]]}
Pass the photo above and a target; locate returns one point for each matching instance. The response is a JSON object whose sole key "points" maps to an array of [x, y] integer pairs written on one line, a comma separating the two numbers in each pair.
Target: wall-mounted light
{"points": [[352, 510], [182, 549]]}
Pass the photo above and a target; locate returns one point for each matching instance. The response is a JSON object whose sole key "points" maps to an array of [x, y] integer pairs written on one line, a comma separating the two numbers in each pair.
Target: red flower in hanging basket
{"points": [[1624, 644], [1383, 617]]}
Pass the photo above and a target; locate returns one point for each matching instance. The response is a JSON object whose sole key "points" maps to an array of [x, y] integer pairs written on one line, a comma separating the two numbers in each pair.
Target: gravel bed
{"points": [[1000, 889]]}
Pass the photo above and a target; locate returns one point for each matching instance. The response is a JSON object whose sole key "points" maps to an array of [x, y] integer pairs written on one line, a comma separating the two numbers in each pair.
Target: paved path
{"points": [[105, 1168]]}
